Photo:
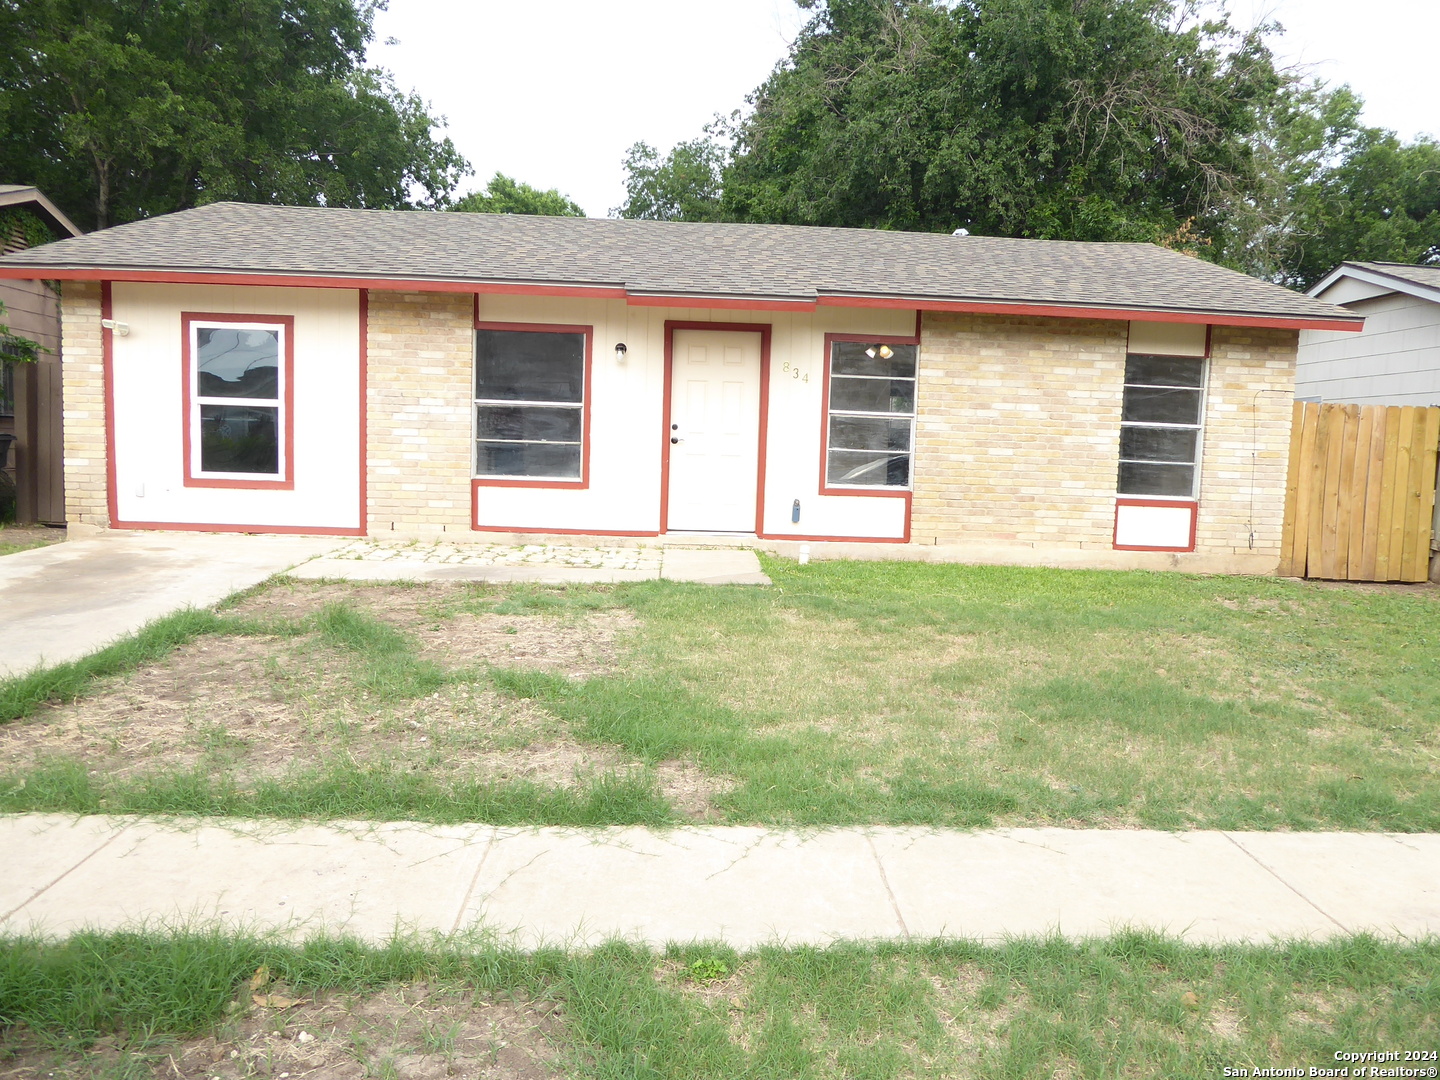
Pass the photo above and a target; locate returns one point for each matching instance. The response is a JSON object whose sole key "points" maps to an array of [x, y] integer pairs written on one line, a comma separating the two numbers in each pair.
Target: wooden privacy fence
{"points": [[1361, 492]]}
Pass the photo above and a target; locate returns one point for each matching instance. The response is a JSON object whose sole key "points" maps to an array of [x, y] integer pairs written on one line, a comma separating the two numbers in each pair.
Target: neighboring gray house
{"points": [[1395, 360]]}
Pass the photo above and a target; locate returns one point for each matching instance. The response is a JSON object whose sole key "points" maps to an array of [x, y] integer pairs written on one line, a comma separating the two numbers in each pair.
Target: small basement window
{"points": [[238, 377], [530, 387], [1160, 426], [870, 414]]}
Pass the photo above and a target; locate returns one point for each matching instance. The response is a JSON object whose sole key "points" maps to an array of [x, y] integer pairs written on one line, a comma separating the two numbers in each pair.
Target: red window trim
{"points": [[764, 330], [876, 493], [284, 482], [479, 482], [1192, 504]]}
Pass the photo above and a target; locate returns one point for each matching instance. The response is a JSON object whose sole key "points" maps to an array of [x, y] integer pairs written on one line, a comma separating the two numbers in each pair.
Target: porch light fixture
{"points": [[620, 351], [123, 329], [883, 351]]}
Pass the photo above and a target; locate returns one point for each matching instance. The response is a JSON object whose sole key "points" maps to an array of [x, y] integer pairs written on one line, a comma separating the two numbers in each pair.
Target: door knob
{"points": [[675, 439]]}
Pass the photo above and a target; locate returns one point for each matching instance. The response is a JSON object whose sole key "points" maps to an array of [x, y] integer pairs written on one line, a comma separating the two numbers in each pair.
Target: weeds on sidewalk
{"points": [[192, 1004]]}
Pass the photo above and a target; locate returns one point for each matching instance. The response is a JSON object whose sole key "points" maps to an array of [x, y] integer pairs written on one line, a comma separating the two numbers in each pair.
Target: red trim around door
{"points": [[1190, 504], [763, 329], [285, 482], [107, 360]]}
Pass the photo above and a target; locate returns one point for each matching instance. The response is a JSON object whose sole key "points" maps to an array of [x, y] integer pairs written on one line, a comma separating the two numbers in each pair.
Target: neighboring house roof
{"points": [[1421, 281], [699, 264], [34, 200]]}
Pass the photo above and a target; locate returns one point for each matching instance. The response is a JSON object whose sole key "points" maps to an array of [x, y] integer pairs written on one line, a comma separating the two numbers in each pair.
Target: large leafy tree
{"points": [[1061, 119], [506, 195], [120, 109], [1082, 119]]}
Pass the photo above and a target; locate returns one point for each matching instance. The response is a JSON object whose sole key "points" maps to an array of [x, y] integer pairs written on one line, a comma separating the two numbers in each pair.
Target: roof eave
{"points": [[1371, 276], [655, 298], [45, 208]]}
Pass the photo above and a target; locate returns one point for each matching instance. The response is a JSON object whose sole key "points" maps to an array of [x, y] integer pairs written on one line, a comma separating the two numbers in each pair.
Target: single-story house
{"points": [[353, 372], [1396, 359], [30, 421]]}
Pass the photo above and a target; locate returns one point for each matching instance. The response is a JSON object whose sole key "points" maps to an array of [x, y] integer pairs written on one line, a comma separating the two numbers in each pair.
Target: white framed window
{"points": [[870, 414], [238, 423], [531, 403], [1161, 426]]}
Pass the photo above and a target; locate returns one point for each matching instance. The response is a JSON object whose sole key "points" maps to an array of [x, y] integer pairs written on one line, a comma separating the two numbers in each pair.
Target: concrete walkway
{"points": [[61, 602], [744, 885]]}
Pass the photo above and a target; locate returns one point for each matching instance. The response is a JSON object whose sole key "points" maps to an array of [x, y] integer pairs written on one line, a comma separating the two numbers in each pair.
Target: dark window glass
{"points": [[872, 395], [1158, 444], [7, 388], [866, 468], [527, 459], [239, 439], [1142, 478], [1164, 371], [852, 358], [1158, 405], [238, 362], [869, 433], [514, 365], [527, 423]]}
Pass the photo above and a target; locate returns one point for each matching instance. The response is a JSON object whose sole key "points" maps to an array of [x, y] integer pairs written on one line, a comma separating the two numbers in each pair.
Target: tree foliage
{"points": [[683, 186], [1137, 120], [504, 195], [120, 109]]}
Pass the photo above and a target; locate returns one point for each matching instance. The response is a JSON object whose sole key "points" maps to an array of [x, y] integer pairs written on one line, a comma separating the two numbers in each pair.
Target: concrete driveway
{"points": [[61, 602]]}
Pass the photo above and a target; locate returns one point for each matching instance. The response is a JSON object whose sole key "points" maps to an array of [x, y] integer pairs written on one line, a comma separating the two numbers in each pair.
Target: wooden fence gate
{"points": [[1361, 492]]}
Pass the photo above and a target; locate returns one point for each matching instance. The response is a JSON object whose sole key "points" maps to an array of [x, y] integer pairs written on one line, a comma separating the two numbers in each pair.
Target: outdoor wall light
{"points": [[123, 329], [882, 351], [620, 351]]}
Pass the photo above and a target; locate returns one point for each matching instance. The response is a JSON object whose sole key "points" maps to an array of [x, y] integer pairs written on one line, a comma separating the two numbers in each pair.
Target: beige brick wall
{"points": [[1247, 440], [82, 371], [418, 412], [1018, 431], [1018, 439]]}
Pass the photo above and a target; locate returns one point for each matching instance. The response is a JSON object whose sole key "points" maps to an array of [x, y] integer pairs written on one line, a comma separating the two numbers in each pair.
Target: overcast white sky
{"points": [[552, 92]]}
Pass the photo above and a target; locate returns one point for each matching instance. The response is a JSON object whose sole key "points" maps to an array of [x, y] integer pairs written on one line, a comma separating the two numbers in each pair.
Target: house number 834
{"points": [[795, 373]]}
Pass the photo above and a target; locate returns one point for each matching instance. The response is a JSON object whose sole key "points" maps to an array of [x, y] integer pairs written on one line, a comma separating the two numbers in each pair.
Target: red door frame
{"points": [[763, 329]]}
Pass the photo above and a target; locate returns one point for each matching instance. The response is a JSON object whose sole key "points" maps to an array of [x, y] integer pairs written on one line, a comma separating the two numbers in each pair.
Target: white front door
{"points": [[714, 431]]}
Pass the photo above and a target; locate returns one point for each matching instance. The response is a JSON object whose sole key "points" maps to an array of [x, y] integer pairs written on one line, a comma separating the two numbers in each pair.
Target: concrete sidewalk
{"points": [[66, 600], [745, 885]]}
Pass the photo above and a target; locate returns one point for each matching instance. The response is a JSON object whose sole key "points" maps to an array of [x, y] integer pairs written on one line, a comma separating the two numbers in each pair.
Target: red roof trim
{"points": [[981, 307], [991, 307]]}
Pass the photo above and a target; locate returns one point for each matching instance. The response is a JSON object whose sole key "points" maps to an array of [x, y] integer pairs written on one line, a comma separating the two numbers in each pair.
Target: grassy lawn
{"points": [[881, 693], [193, 1005]]}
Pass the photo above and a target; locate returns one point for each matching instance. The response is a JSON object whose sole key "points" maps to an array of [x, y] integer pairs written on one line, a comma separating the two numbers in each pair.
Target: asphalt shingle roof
{"points": [[1428, 276], [783, 262]]}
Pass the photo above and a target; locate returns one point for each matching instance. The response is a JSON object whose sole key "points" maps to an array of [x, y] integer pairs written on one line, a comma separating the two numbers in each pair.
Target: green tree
{"points": [[121, 109], [683, 186], [504, 195], [1075, 119]]}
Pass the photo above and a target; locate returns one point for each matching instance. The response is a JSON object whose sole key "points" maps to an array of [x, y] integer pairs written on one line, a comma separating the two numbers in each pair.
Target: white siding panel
{"points": [[626, 421], [148, 372]]}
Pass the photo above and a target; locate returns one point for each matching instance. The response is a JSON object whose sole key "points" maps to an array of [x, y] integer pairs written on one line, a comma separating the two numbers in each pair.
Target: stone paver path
{"points": [[442, 554]]}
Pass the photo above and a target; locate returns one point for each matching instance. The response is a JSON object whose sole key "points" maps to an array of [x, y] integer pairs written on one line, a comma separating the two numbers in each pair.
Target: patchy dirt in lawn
{"points": [[580, 649], [23, 537], [413, 1032], [257, 707]]}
